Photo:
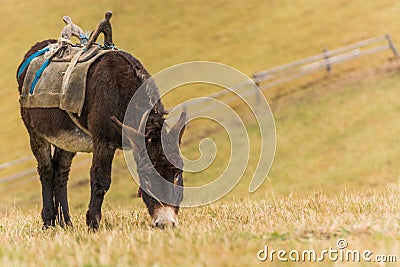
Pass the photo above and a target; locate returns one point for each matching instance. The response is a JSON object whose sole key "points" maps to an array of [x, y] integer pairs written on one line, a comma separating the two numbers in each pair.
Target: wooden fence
{"points": [[325, 60]]}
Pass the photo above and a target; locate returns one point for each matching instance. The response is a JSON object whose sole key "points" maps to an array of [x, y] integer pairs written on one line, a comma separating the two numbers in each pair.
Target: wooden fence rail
{"points": [[325, 60]]}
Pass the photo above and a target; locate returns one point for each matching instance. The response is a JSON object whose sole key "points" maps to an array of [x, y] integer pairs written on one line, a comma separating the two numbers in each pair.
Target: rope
{"points": [[30, 58], [76, 122], [44, 65], [38, 74]]}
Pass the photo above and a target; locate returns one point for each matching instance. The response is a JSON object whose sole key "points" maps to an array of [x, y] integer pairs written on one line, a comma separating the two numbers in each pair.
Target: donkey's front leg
{"points": [[100, 180]]}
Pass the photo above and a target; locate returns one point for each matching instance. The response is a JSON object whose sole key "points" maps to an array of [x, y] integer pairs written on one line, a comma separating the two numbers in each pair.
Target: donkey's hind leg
{"points": [[41, 149], [62, 161]]}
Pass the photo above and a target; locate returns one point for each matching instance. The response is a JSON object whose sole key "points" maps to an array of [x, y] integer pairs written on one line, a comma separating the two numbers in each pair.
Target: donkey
{"points": [[112, 80]]}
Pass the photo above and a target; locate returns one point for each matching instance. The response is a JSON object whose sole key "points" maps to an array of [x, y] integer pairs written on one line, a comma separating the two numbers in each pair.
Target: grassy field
{"points": [[335, 173], [229, 233]]}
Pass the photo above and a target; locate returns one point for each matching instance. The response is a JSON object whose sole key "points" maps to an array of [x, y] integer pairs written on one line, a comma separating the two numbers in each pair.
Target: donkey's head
{"points": [[159, 164]]}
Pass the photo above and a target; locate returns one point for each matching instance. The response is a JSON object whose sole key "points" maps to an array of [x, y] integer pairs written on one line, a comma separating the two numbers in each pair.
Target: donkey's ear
{"points": [[179, 127], [134, 137]]}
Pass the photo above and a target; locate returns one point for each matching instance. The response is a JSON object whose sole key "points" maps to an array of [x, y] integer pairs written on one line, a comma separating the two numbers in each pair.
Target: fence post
{"points": [[257, 83], [391, 45], [327, 63]]}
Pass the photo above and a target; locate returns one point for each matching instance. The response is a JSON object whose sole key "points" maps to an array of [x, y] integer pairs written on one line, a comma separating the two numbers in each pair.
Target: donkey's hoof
{"points": [[48, 224], [66, 224], [93, 222], [93, 226]]}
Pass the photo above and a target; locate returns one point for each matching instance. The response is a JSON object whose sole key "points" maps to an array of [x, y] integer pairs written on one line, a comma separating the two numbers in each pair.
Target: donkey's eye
{"points": [[176, 178]]}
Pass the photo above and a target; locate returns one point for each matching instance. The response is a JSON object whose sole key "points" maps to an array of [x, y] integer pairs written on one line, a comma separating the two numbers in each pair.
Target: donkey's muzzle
{"points": [[165, 217]]}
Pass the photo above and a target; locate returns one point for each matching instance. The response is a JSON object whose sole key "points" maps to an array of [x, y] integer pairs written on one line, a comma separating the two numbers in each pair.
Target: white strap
{"points": [[69, 70]]}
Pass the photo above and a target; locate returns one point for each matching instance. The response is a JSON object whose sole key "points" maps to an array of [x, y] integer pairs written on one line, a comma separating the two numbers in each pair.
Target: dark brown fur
{"points": [[112, 80]]}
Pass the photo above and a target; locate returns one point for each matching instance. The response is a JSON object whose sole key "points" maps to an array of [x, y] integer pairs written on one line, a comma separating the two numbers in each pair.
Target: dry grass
{"points": [[228, 233]]}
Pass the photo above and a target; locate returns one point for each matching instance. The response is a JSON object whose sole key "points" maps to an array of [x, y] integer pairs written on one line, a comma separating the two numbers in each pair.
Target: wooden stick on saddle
{"points": [[104, 26]]}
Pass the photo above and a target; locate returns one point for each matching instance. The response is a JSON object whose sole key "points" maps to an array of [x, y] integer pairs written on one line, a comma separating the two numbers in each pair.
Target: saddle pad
{"points": [[48, 90]]}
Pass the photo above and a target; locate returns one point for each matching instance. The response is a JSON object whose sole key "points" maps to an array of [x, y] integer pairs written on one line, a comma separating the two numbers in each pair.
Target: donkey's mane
{"points": [[157, 115]]}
